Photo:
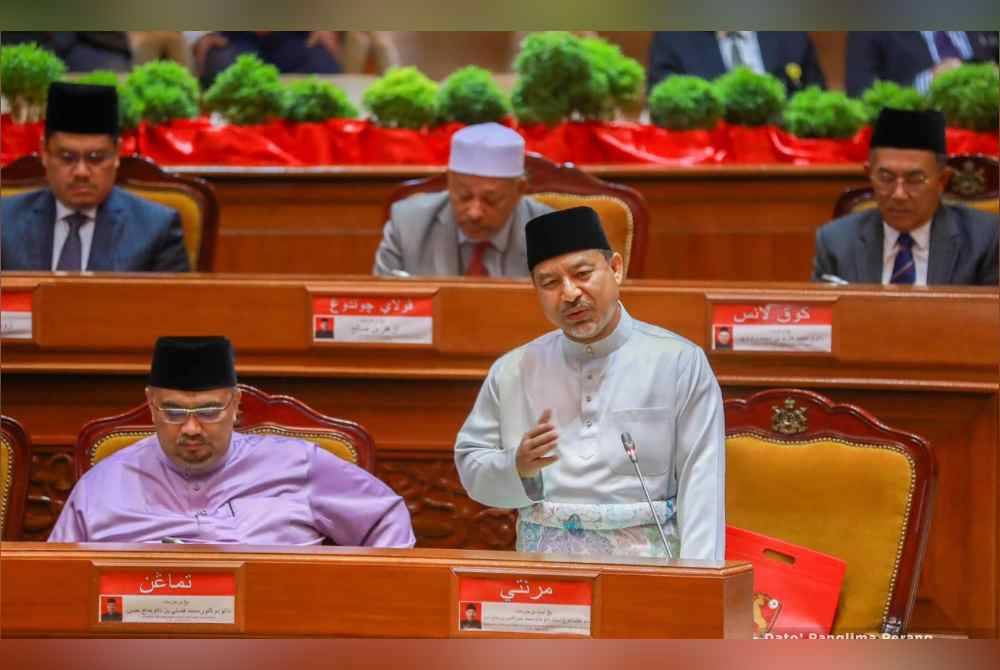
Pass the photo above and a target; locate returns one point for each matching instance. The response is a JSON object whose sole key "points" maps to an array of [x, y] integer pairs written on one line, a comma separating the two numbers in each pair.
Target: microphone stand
{"points": [[630, 452]]}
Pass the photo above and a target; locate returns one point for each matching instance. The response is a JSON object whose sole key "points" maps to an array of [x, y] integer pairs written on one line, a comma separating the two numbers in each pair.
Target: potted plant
{"points": [[321, 125], [26, 70], [403, 103], [752, 102], [820, 127], [686, 111], [969, 97]]}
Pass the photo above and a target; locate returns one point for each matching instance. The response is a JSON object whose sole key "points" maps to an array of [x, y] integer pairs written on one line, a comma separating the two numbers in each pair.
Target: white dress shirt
{"points": [[62, 232], [641, 379], [921, 251], [747, 45]]}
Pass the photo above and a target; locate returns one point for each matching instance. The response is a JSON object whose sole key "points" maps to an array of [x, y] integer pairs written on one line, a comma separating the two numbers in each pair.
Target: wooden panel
{"points": [[921, 360], [706, 223], [330, 591]]}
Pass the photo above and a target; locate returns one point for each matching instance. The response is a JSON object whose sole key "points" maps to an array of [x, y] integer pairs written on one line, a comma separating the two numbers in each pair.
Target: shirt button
{"points": [[590, 349], [588, 398], [589, 423], [590, 376], [196, 487]]}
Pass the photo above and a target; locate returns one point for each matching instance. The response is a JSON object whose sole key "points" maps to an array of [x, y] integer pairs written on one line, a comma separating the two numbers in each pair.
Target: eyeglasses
{"points": [[94, 159], [913, 182], [210, 414]]}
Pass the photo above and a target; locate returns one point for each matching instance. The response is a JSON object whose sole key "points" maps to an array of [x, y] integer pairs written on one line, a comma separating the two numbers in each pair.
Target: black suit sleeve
{"points": [[989, 275], [823, 261], [663, 59], [864, 60], [812, 72], [172, 255]]}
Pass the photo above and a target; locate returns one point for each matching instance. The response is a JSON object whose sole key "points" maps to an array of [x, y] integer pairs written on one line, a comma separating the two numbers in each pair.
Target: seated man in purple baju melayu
{"points": [[196, 480]]}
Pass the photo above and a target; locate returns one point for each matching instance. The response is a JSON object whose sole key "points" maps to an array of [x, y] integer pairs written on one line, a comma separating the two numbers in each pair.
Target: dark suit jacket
{"points": [[900, 56], [697, 53], [130, 234], [963, 247]]}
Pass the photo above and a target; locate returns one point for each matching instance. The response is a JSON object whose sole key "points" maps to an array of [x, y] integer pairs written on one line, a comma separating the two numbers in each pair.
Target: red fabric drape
{"points": [[359, 142]]}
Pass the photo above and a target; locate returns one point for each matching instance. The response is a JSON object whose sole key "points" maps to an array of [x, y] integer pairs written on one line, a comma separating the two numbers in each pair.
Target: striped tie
{"points": [[903, 270]]}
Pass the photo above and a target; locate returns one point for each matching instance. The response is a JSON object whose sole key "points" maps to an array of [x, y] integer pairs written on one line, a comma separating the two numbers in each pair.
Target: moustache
{"points": [[576, 307]]}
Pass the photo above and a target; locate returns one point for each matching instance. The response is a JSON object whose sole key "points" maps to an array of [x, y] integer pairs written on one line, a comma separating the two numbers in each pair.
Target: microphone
{"points": [[630, 452]]}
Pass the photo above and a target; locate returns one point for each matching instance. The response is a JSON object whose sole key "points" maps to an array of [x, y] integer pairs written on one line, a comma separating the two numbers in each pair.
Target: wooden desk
{"points": [[735, 223], [921, 360], [52, 590]]}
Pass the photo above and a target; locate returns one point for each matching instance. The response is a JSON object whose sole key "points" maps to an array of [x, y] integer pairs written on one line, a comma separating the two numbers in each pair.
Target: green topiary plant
{"points": [[247, 92], [470, 95], [26, 70], [969, 96], [163, 91], [625, 78], [561, 76], [313, 99], [552, 66], [827, 114], [684, 102], [129, 107], [751, 99], [403, 98], [890, 94]]}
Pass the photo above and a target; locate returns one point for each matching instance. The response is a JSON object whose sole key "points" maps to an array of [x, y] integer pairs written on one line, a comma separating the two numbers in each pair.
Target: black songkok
{"points": [[81, 108], [562, 232], [193, 364], [907, 129]]}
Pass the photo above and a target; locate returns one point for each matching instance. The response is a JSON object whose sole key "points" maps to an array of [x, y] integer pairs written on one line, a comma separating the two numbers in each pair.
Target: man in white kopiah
{"points": [[544, 436], [476, 227]]}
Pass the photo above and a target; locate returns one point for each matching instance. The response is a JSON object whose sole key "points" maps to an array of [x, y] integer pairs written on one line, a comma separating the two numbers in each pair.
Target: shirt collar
{"points": [[62, 211], [921, 236], [499, 241], [577, 351]]}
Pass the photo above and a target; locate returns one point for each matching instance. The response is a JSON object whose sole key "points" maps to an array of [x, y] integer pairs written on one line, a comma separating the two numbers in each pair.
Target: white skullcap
{"points": [[487, 150]]}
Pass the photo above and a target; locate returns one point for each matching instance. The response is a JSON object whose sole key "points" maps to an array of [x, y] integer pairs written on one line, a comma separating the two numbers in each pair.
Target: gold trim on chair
{"points": [[310, 435], [581, 200], [7, 486], [907, 511], [116, 435]]}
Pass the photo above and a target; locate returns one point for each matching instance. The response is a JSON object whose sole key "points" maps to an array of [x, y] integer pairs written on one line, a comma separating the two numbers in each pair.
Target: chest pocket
{"points": [[652, 430]]}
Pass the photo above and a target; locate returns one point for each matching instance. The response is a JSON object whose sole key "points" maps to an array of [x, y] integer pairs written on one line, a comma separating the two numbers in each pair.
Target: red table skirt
{"points": [[356, 142]]}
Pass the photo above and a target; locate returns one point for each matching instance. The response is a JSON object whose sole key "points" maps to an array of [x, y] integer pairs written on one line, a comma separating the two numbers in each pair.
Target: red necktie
{"points": [[476, 266]]}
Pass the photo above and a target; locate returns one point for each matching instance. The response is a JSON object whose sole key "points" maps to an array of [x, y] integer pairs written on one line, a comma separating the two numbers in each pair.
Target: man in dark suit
{"points": [[82, 221], [789, 56], [912, 237], [912, 58]]}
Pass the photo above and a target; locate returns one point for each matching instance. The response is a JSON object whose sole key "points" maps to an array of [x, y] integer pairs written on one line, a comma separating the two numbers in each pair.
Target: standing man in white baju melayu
{"points": [[544, 436]]}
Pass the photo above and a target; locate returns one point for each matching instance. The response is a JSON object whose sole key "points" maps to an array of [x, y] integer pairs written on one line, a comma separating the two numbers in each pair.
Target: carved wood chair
{"points": [[15, 459], [192, 197], [832, 478], [974, 184], [259, 414], [623, 211]]}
